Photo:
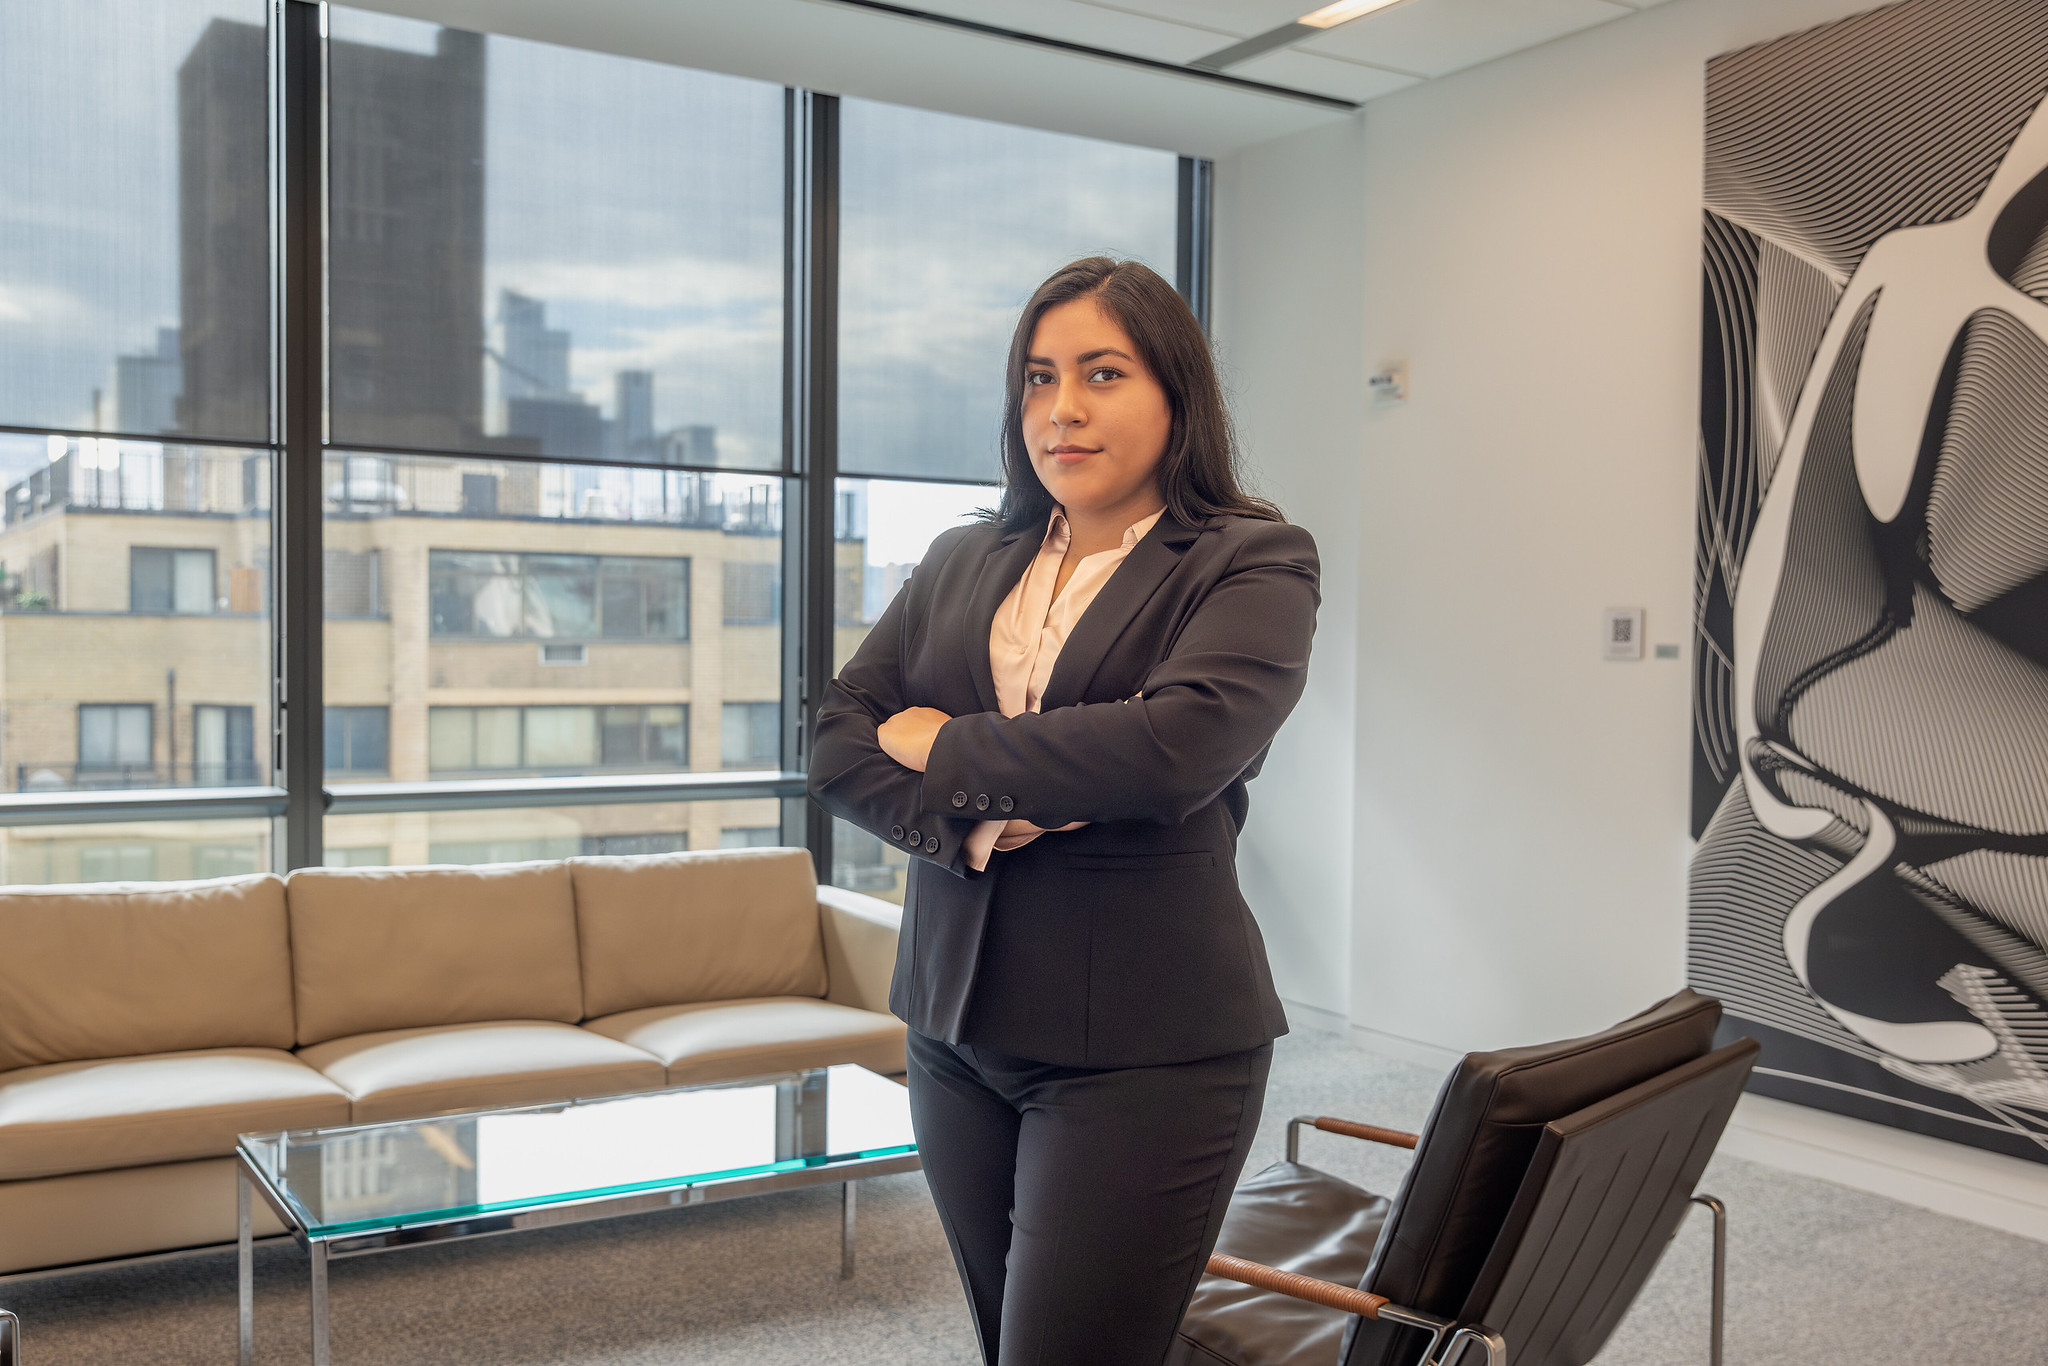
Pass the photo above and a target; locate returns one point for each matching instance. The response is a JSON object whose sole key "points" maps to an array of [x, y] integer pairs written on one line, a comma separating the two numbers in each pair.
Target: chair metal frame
{"points": [[10, 1339], [1449, 1340]]}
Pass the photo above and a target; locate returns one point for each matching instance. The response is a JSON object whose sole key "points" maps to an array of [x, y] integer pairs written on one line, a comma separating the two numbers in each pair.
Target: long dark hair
{"points": [[1198, 473]]}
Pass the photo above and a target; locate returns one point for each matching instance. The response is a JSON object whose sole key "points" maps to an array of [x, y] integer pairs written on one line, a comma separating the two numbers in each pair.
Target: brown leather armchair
{"points": [[1544, 1187]]}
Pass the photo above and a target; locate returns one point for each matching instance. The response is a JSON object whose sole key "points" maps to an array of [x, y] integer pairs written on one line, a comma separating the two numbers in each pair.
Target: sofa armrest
{"points": [[860, 947]]}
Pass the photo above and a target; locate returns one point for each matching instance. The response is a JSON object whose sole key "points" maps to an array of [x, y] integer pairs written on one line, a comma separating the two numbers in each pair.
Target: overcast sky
{"points": [[642, 203]]}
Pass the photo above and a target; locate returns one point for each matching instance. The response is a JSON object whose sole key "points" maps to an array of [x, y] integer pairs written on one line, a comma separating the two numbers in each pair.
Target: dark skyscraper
{"points": [[406, 243], [224, 233], [405, 239]]}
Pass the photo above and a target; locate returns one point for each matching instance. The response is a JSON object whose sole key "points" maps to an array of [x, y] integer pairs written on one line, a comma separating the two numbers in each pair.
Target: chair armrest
{"points": [[1297, 1286], [860, 947], [1393, 1138], [1447, 1340]]}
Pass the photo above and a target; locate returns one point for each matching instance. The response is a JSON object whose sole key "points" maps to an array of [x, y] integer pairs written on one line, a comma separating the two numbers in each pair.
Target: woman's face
{"points": [[1095, 420]]}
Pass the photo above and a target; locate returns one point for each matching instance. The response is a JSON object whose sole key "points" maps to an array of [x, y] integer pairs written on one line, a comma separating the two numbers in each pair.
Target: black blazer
{"points": [[1125, 943]]}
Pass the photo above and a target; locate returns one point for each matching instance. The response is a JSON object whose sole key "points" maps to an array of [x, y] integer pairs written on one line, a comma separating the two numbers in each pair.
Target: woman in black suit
{"points": [[1056, 718]]}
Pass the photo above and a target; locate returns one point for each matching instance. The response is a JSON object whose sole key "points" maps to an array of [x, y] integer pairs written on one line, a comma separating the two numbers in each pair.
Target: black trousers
{"points": [[1081, 1203]]}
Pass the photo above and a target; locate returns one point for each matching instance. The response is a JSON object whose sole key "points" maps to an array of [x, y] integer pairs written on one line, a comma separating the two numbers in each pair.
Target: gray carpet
{"points": [[1820, 1274]]}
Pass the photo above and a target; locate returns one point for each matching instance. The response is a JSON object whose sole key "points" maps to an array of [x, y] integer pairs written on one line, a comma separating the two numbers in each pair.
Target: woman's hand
{"points": [[907, 736]]}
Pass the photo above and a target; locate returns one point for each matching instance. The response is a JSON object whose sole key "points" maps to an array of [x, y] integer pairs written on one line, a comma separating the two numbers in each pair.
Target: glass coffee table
{"points": [[348, 1192]]}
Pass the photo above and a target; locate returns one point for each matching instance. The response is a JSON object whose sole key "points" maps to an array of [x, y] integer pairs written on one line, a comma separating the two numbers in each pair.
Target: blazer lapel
{"points": [[1000, 571], [1099, 628]]}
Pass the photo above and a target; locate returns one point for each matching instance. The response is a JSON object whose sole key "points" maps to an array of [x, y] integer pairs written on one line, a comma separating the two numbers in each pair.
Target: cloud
{"points": [[677, 282]]}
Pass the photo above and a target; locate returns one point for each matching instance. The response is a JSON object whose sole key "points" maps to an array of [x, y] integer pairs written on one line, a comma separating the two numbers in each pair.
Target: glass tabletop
{"points": [[371, 1176]]}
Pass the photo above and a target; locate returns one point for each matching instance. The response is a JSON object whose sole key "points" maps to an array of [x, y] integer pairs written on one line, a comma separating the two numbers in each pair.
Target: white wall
{"points": [[1531, 239], [1289, 328], [1530, 246]]}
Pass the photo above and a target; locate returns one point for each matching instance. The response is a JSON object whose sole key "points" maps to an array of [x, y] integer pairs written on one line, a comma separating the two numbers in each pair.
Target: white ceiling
{"points": [[1382, 52], [842, 49]]}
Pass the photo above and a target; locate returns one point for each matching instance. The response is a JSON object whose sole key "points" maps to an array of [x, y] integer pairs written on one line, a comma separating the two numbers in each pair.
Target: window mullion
{"points": [[302, 334], [814, 381]]}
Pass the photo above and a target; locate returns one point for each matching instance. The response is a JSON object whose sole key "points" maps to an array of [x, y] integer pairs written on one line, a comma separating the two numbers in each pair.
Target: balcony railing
{"points": [[128, 476], [441, 486], [116, 777]]}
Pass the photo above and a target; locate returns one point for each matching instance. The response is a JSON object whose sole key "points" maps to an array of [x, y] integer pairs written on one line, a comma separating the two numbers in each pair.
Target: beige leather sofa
{"points": [[144, 1025]]}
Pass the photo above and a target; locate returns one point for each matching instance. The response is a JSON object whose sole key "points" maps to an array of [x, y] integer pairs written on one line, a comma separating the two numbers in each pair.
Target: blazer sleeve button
{"points": [[959, 799], [981, 802], [931, 844], [914, 838], [1007, 804], [895, 832]]}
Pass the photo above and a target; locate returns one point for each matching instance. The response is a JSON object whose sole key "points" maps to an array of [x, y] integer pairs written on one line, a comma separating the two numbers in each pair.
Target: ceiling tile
{"points": [[1434, 37], [1076, 21], [1302, 70]]}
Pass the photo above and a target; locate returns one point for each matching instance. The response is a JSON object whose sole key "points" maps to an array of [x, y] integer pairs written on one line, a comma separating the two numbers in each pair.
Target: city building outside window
{"points": [[164, 580], [558, 597], [561, 740], [358, 740], [223, 746], [117, 740], [751, 734]]}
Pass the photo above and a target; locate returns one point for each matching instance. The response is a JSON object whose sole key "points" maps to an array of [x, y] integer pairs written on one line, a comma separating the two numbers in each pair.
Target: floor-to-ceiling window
{"points": [[136, 440], [569, 499]]}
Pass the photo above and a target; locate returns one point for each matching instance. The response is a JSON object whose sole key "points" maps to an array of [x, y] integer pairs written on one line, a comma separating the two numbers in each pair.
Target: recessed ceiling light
{"points": [[1287, 35], [1343, 12]]}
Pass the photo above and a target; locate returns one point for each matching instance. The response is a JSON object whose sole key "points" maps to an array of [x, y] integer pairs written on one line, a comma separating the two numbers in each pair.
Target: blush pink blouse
{"points": [[1024, 643]]}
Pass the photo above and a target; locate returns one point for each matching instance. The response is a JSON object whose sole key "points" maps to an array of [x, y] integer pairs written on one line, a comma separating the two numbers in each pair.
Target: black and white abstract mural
{"points": [[1870, 888]]}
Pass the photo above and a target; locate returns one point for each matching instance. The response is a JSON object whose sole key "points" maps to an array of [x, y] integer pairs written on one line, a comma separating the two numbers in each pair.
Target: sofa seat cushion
{"points": [[725, 1040], [160, 1107], [408, 1073]]}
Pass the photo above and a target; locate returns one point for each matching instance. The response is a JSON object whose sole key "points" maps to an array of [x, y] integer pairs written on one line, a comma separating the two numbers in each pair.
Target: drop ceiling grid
{"points": [[1369, 57]]}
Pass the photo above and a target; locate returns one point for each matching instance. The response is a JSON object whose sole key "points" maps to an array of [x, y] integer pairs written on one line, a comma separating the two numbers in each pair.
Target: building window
{"points": [[665, 842], [223, 860], [749, 836], [556, 739], [499, 595], [126, 862], [352, 582], [117, 737], [223, 748], [357, 856], [358, 740], [750, 735], [646, 736], [753, 593], [166, 581]]}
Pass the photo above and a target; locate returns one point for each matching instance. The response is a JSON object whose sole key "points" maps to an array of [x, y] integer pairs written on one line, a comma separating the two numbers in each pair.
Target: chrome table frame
{"points": [[360, 1242]]}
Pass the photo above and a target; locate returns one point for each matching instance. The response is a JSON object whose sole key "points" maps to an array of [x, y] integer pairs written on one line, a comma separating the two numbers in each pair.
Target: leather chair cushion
{"points": [[1477, 1145], [122, 969], [168, 1107], [408, 1073], [404, 948], [1298, 1219], [726, 1040], [713, 926]]}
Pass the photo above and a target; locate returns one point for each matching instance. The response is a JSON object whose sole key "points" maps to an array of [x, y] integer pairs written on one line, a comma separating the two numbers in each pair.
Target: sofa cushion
{"points": [[666, 929], [725, 1040], [167, 1107], [406, 948], [407, 1073], [117, 969]]}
